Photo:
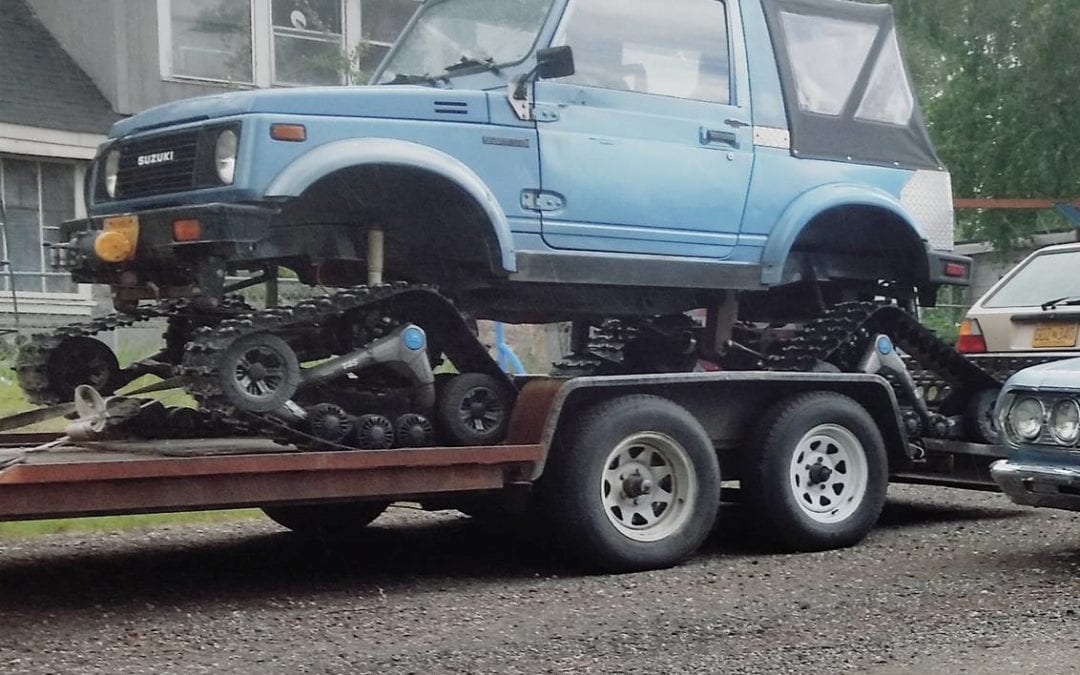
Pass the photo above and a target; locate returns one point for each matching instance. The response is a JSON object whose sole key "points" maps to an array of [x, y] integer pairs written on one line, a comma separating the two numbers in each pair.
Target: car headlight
{"points": [[112, 169], [1065, 422], [1026, 418], [225, 155]]}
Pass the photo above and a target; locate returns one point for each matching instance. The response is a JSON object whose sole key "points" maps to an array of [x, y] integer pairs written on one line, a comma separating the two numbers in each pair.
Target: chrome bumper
{"points": [[1031, 484]]}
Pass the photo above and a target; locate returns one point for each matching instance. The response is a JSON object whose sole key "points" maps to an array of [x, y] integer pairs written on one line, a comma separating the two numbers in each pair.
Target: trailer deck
{"points": [[122, 477]]}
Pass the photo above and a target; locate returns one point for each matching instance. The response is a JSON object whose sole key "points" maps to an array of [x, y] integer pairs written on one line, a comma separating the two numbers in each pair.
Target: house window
{"points": [[278, 42], [308, 41], [38, 196], [211, 39], [381, 23]]}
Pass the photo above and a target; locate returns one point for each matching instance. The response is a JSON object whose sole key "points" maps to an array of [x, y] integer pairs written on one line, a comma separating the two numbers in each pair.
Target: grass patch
{"points": [[37, 528]]}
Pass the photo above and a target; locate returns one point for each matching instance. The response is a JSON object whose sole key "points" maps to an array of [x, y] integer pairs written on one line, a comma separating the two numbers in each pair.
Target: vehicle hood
{"points": [[1057, 376], [399, 102]]}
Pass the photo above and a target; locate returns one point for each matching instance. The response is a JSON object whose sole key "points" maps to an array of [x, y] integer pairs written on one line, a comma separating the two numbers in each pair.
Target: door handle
{"points": [[711, 136]]}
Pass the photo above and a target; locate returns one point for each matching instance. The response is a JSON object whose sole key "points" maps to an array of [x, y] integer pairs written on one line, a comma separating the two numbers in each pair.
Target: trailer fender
{"points": [[728, 405], [326, 159]]}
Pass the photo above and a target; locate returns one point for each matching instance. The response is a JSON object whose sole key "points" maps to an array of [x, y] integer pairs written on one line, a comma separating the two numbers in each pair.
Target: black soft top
{"points": [[848, 93]]}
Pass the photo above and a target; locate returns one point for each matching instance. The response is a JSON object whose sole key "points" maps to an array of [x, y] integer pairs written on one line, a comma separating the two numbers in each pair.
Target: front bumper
{"points": [[229, 231], [1039, 484]]}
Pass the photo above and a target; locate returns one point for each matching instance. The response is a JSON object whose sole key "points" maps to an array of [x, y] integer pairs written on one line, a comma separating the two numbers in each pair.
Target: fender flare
{"points": [[324, 160], [813, 203]]}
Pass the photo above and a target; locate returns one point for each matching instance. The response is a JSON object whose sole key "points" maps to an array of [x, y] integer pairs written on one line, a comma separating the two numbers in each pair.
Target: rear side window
{"points": [[846, 88], [827, 56], [676, 48], [888, 96], [1043, 278]]}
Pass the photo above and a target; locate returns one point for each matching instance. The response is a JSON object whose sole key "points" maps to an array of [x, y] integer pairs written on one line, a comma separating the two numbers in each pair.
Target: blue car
{"points": [[1039, 415], [544, 159], [535, 161]]}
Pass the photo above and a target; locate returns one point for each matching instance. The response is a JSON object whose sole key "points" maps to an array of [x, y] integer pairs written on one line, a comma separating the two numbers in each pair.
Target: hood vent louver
{"points": [[451, 108]]}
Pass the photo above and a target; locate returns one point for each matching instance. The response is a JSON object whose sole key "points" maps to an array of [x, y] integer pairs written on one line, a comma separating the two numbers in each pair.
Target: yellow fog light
{"points": [[113, 247]]}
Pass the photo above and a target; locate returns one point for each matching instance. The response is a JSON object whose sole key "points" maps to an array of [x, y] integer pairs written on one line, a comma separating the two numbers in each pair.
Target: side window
{"points": [[888, 98], [827, 57], [675, 48]]}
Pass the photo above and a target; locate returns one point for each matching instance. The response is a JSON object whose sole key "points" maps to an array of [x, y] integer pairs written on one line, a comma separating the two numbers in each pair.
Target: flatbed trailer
{"points": [[126, 477], [44, 476]]}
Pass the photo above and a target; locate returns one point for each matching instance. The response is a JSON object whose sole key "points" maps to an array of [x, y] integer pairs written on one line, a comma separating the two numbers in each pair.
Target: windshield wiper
{"points": [[406, 78], [1068, 300], [473, 62]]}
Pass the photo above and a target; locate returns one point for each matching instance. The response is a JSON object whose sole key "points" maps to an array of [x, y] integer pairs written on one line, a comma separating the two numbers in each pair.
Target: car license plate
{"points": [[1054, 335]]}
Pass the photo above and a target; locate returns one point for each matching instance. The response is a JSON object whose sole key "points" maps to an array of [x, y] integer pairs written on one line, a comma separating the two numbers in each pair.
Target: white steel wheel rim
{"points": [[829, 473], [648, 487]]}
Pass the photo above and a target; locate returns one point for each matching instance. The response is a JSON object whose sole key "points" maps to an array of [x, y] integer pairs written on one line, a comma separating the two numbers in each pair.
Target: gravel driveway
{"points": [[950, 582]]}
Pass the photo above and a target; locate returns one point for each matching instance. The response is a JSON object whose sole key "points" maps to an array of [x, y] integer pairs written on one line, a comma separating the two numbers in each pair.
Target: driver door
{"points": [[647, 148]]}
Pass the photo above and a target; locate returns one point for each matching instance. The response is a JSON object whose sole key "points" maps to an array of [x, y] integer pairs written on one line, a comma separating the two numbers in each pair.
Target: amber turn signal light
{"points": [[295, 133], [113, 247], [187, 229]]}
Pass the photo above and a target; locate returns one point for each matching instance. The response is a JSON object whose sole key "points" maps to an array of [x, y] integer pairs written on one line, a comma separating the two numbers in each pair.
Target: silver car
{"points": [[1030, 316]]}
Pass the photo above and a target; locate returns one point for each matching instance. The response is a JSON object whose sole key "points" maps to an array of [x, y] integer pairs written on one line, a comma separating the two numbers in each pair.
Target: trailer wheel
{"points": [[816, 473], [633, 484], [326, 521]]}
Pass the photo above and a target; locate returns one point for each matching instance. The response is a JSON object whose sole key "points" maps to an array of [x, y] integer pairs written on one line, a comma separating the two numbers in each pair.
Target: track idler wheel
{"points": [[979, 419], [473, 409], [259, 373], [82, 360], [374, 432]]}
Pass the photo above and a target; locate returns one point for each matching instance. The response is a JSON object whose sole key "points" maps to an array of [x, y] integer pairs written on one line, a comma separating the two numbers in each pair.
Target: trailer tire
{"points": [[816, 473], [326, 521], [632, 484]]}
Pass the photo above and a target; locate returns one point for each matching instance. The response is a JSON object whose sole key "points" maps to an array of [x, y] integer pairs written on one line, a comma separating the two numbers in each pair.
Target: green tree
{"points": [[1000, 86]]}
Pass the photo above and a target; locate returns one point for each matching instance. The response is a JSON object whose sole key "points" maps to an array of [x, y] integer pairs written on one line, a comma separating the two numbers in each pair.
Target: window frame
{"points": [[82, 296], [262, 46]]}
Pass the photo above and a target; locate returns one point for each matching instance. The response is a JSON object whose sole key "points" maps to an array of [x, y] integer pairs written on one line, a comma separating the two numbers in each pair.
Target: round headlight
{"points": [[1026, 418], [1065, 422], [225, 155], [112, 168]]}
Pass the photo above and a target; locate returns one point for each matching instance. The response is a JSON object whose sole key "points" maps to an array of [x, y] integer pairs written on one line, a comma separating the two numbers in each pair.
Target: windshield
{"points": [[1045, 277], [456, 33]]}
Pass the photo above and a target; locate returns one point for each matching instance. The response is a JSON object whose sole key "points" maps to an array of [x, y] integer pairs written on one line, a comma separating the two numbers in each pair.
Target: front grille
{"points": [[168, 165]]}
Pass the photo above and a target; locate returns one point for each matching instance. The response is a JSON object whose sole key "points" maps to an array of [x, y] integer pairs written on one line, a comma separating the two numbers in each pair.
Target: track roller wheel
{"points": [[413, 431], [330, 422], [473, 409], [259, 373], [374, 432]]}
